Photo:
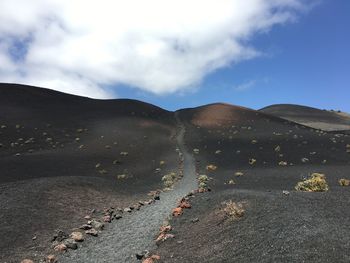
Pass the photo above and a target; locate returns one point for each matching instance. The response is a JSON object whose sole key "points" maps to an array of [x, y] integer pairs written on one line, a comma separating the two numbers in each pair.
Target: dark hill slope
{"points": [[62, 156], [271, 155], [316, 118]]}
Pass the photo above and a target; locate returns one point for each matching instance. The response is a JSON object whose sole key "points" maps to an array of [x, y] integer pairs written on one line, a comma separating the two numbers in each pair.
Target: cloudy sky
{"points": [[181, 53]]}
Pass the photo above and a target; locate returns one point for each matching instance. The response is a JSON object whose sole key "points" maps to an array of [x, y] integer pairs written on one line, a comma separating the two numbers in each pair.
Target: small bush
{"points": [[234, 210], [169, 179], [211, 167], [238, 174], [282, 163], [344, 182], [252, 161], [231, 182], [121, 176], [315, 183], [203, 181]]}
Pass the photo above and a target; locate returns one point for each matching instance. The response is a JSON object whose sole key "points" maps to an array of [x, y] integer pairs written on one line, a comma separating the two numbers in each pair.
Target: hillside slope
{"points": [[312, 117], [255, 160], [62, 156]]}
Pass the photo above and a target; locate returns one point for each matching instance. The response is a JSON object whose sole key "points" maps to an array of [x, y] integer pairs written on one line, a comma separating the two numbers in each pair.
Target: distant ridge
{"points": [[312, 117]]}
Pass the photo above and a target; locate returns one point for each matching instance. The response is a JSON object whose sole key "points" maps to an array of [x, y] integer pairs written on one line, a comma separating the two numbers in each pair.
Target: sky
{"points": [[184, 53]]}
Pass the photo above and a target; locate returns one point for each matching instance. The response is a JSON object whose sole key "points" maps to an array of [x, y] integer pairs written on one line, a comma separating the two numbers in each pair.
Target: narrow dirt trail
{"points": [[136, 232]]}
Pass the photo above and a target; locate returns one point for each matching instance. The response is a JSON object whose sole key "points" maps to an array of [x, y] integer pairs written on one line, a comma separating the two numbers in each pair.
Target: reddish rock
{"points": [[166, 228], [185, 204], [177, 211], [27, 261], [160, 237], [51, 259], [107, 218], [77, 236], [151, 259], [60, 248], [155, 257]]}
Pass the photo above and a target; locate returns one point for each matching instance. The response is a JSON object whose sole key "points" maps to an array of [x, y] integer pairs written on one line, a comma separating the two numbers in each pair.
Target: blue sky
{"points": [[306, 62], [252, 53]]}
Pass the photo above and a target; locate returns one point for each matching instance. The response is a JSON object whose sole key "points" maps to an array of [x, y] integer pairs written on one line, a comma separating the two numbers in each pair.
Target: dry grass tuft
{"points": [[233, 210], [344, 182], [211, 167], [315, 183]]}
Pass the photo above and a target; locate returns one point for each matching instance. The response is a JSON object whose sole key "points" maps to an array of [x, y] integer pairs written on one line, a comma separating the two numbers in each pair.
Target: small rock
{"points": [[27, 261], [107, 219], [70, 243], [118, 217], [85, 227], [97, 225], [92, 232], [34, 238], [285, 192], [77, 236], [185, 204], [51, 259], [177, 211], [195, 220], [87, 217], [142, 254], [60, 247], [127, 210], [59, 236]]}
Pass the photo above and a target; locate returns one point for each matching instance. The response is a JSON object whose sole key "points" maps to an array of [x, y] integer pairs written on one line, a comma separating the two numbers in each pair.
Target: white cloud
{"points": [[245, 86], [160, 46]]}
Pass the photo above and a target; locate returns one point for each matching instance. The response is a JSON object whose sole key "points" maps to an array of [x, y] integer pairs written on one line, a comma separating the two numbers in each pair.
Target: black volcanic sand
{"points": [[299, 227], [60, 157]]}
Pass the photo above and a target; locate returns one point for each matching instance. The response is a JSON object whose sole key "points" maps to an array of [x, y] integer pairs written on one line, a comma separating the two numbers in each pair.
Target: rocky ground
{"points": [[253, 212]]}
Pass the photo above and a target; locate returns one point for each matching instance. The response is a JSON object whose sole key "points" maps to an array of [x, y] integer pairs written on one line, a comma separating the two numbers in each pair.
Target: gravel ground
{"points": [[136, 232]]}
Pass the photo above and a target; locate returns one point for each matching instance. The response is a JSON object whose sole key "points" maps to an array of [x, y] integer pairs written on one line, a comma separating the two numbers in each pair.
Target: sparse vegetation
{"points": [[252, 161], [238, 174], [169, 179], [233, 210], [103, 171], [315, 183], [203, 181], [232, 182], [211, 167], [282, 163], [344, 182], [121, 176]]}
